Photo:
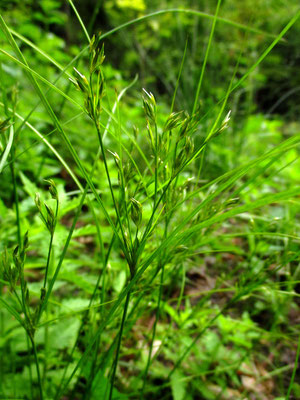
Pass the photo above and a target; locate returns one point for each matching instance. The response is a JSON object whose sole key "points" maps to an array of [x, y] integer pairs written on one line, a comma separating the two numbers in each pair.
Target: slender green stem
{"points": [[206, 56], [179, 75], [94, 16], [46, 353], [37, 366], [16, 198], [115, 364], [294, 372], [106, 356], [2, 334], [24, 305], [156, 165], [29, 366], [154, 332], [50, 247], [48, 259], [180, 297], [80, 20]]}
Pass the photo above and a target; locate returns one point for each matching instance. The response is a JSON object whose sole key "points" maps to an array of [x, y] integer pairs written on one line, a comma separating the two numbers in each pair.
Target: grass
{"points": [[150, 224]]}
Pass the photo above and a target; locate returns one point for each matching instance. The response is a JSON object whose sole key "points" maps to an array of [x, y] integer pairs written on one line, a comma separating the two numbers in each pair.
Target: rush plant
{"points": [[141, 198]]}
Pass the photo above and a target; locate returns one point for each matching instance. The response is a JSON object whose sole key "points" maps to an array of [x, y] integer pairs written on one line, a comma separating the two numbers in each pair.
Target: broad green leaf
{"points": [[178, 386]]}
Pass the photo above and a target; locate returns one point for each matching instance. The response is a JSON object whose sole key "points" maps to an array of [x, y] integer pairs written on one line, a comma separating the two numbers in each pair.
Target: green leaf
{"points": [[49, 5], [101, 386], [178, 386], [62, 335], [30, 188], [119, 281]]}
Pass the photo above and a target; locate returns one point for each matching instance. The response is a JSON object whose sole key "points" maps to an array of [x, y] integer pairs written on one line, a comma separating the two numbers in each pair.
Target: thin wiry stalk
{"points": [[153, 332], [15, 194], [294, 372], [29, 366], [37, 366], [120, 334], [46, 354], [206, 56], [106, 357], [80, 20], [179, 75], [50, 248], [155, 165], [94, 15]]}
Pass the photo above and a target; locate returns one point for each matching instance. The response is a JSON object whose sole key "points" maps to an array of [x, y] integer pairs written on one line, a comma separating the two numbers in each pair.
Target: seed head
{"points": [[173, 121], [136, 212], [52, 188], [224, 124], [149, 104]]}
